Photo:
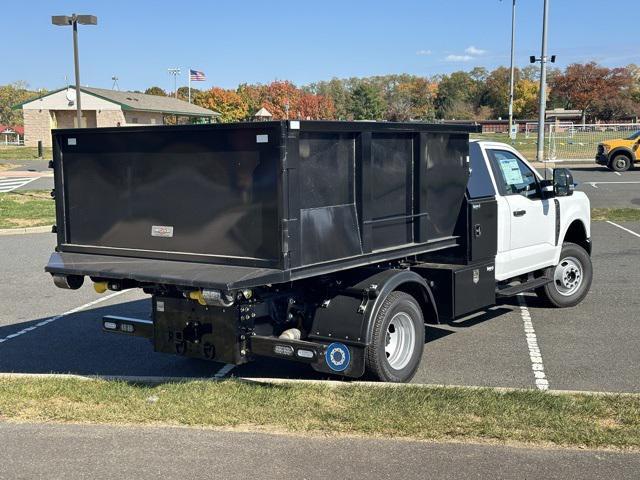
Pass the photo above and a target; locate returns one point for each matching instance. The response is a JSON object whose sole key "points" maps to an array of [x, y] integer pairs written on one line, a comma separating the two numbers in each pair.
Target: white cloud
{"points": [[424, 52], [474, 51], [458, 58]]}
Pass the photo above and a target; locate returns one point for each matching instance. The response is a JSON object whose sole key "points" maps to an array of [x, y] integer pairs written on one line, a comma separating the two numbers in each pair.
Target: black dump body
{"points": [[247, 204]]}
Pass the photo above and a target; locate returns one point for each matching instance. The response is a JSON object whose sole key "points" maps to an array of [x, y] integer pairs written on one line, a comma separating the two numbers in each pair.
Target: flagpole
{"points": [[189, 84]]}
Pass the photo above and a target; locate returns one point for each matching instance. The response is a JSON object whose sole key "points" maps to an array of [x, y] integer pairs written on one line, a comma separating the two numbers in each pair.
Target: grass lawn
{"points": [[442, 413], [616, 214], [22, 153], [526, 146], [8, 166], [29, 208]]}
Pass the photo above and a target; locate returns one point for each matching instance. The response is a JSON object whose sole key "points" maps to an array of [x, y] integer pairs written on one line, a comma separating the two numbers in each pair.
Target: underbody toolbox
{"points": [[460, 289]]}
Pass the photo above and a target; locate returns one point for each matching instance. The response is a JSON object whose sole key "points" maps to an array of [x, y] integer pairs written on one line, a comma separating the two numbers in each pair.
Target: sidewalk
{"points": [[90, 451]]}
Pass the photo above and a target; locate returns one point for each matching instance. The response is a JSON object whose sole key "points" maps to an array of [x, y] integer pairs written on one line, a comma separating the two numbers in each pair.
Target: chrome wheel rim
{"points": [[621, 162], [400, 341], [568, 276]]}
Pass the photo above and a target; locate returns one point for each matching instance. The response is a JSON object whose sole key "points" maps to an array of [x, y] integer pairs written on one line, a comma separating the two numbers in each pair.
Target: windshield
{"points": [[634, 136]]}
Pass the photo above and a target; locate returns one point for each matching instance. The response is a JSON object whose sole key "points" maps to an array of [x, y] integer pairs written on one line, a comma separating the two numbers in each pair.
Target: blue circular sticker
{"points": [[337, 357]]}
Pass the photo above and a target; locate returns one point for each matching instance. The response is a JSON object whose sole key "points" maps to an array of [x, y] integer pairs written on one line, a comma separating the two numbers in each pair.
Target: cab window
{"points": [[479, 184], [512, 175]]}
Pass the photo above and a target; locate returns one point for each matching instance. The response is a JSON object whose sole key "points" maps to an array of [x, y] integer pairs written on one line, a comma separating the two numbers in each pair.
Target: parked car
{"points": [[619, 154]]}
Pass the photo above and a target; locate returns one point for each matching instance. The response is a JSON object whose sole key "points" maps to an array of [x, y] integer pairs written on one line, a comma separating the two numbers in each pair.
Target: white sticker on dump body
{"points": [[161, 231], [262, 138]]}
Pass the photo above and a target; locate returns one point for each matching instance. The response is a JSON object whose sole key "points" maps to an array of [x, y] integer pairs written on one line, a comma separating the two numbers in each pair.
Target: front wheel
{"points": [[398, 339], [620, 162], [571, 278]]}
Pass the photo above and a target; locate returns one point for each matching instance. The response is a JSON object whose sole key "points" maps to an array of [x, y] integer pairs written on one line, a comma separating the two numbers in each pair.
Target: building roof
{"points": [[140, 102], [562, 113], [19, 129], [263, 112]]}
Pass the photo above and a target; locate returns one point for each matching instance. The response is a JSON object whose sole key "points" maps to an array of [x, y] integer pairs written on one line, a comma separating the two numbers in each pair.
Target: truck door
{"points": [[530, 218]]}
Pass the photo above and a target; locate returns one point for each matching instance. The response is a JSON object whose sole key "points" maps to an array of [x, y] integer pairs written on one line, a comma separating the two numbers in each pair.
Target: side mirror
{"points": [[562, 182], [548, 189]]}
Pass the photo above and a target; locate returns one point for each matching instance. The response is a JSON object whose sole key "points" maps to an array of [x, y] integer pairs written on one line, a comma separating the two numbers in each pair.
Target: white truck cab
{"points": [[544, 226]]}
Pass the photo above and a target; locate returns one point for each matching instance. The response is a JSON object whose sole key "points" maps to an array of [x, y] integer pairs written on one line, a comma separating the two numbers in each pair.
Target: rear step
{"points": [[522, 287], [136, 327]]}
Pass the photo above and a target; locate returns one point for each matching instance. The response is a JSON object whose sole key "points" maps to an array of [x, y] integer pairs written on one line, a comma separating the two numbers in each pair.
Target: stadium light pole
{"points": [[543, 84], [175, 71], [74, 20], [511, 78]]}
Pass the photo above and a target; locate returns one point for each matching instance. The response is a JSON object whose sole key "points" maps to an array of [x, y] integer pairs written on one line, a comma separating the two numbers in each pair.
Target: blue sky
{"points": [[259, 41]]}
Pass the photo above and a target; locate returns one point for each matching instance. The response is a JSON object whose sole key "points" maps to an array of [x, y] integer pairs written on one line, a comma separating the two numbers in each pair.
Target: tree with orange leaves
{"points": [[231, 106]]}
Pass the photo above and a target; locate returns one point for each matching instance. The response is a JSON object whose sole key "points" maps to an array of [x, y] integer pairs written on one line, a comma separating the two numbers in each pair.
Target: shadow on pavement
{"points": [[76, 344]]}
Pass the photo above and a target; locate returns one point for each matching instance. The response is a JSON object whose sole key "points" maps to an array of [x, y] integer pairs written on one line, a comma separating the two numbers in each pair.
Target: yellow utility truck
{"points": [[619, 154]]}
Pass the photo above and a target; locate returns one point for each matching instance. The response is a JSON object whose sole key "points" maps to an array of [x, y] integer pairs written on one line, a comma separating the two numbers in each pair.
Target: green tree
{"points": [[457, 93], [497, 90], [155, 91], [366, 102], [337, 91], [13, 94]]}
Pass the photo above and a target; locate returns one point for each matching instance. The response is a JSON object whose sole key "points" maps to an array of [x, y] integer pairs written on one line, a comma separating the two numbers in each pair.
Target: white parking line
{"points": [[8, 184], [595, 184], [542, 383], [58, 317], [623, 228], [618, 173]]}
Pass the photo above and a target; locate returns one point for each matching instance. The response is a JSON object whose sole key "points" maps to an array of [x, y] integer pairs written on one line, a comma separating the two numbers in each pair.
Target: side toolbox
{"points": [[460, 289], [482, 228]]}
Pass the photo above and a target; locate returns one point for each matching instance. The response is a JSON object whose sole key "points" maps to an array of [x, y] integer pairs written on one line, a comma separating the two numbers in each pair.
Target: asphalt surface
{"points": [[593, 346], [609, 189], [77, 452]]}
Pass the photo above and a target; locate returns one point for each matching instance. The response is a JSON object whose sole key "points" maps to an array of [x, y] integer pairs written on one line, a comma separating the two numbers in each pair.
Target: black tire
{"points": [[620, 162], [552, 293], [376, 360]]}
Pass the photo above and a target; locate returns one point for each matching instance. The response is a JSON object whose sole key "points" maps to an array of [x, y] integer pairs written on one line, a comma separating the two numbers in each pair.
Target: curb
{"points": [[153, 380], [22, 231]]}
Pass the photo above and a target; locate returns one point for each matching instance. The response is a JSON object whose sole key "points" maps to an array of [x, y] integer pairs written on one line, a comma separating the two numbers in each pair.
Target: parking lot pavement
{"points": [[596, 345], [27, 175], [606, 188], [593, 346], [101, 451]]}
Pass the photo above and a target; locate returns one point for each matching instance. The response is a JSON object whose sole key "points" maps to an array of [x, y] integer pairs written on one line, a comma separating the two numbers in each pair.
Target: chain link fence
{"points": [[563, 140], [580, 142]]}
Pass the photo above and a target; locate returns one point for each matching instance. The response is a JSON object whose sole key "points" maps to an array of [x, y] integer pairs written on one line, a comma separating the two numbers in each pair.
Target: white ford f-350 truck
{"points": [[327, 243], [537, 231]]}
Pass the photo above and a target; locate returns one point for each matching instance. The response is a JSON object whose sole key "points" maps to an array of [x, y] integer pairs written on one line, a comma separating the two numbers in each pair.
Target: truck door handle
{"points": [[519, 213]]}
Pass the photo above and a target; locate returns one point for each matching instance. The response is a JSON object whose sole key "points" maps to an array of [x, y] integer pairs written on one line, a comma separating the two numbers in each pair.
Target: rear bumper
{"points": [[164, 272]]}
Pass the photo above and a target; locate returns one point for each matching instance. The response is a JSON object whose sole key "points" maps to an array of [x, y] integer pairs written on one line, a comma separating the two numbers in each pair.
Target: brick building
{"points": [[102, 108]]}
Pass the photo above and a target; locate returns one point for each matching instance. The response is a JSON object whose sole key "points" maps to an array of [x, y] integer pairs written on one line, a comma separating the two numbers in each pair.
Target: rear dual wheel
{"points": [[398, 339]]}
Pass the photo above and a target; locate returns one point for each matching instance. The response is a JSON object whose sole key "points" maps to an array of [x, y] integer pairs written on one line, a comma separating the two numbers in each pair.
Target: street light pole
{"points": [[543, 84], [511, 78], [74, 20], [76, 61]]}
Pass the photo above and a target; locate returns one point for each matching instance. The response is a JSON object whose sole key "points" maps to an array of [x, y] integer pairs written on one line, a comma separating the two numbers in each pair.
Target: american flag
{"points": [[196, 76]]}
